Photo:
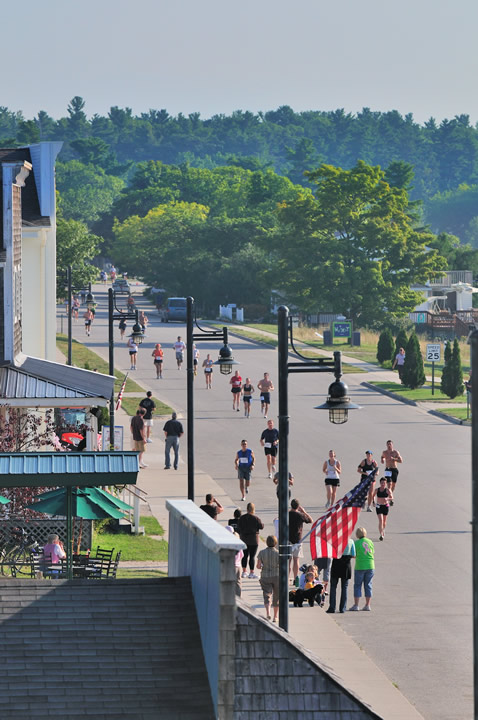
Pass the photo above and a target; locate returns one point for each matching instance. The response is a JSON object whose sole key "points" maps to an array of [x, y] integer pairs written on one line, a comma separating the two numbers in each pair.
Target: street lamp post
{"points": [[474, 505], [225, 362], [338, 404], [137, 336]]}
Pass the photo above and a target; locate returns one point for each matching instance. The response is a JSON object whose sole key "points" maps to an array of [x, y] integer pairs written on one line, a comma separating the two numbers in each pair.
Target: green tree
{"points": [[413, 372], [452, 375], [75, 246], [352, 248], [385, 346], [85, 191]]}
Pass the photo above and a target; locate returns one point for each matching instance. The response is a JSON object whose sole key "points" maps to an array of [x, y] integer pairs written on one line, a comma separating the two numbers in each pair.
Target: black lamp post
{"points": [[225, 362], [474, 505], [338, 404], [137, 335]]}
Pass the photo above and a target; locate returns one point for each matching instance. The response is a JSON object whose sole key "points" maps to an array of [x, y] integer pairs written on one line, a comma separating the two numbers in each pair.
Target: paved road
{"points": [[420, 630]]}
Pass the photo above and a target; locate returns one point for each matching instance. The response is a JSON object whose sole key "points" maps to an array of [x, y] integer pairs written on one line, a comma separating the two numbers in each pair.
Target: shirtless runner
{"points": [[391, 458], [265, 387]]}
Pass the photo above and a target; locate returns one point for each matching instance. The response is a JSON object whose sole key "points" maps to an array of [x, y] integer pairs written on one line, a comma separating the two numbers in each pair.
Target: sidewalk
{"points": [[312, 627]]}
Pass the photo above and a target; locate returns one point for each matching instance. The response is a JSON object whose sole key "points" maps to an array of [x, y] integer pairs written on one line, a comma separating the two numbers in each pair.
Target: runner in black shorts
{"points": [[270, 441], [391, 458], [247, 390], [383, 498], [265, 387]]}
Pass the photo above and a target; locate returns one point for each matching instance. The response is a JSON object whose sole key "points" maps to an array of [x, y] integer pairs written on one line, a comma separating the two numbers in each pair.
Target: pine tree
{"points": [[413, 372], [447, 371], [385, 346], [401, 341], [456, 374]]}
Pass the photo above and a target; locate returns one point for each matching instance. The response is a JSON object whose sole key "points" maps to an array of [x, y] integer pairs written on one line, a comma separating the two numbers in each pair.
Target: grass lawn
{"points": [[83, 357], [135, 547], [459, 413], [420, 394], [132, 574], [131, 404]]}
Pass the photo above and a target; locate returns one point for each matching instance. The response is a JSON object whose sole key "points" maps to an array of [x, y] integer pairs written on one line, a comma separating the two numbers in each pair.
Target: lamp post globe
{"points": [[226, 360], [137, 334], [338, 403]]}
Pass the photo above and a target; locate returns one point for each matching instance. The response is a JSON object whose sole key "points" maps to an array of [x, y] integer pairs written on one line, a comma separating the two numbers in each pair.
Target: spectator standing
{"points": [[149, 405], [137, 431], [297, 517], [399, 362], [173, 430], [212, 507], [341, 570], [248, 527], [364, 569], [234, 520], [268, 564]]}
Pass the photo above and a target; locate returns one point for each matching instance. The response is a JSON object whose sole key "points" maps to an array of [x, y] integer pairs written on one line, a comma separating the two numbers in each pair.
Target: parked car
{"points": [[121, 286], [173, 310]]}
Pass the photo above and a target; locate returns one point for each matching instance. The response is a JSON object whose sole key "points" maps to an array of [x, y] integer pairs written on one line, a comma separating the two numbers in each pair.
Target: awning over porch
{"points": [[33, 382], [92, 469]]}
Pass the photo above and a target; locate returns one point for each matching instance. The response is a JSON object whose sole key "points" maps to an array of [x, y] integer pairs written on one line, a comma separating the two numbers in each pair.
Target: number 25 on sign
{"points": [[434, 353]]}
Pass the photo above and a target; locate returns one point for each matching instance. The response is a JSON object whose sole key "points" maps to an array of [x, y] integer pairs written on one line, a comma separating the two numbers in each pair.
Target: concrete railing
{"points": [[203, 550]]}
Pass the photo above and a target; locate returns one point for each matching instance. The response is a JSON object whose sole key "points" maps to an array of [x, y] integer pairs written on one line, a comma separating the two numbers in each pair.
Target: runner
{"points": [[332, 470], [195, 359], [207, 365], [365, 468], [143, 321], [75, 307], [247, 390], [179, 348], [265, 387], [383, 498], [88, 315], [133, 352], [158, 356], [391, 458], [122, 327], [269, 441], [236, 386], [244, 464]]}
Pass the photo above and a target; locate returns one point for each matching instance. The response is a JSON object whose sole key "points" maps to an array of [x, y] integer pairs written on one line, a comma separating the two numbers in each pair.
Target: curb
{"points": [[449, 418]]}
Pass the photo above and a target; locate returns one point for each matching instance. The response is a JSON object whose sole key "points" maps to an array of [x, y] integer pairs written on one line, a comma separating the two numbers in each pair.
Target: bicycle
{"points": [[15, 556]]}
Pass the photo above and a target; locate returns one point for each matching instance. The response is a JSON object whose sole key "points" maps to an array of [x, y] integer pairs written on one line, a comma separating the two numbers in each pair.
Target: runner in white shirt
{"points": [[179, 348], [195, 359]]}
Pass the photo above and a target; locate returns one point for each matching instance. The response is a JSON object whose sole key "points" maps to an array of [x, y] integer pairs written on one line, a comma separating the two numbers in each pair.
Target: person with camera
{"points": [[212, 507]]}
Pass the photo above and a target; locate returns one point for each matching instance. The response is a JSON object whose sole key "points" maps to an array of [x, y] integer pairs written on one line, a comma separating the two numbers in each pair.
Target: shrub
{"points": [[452, 377], [385, 346], [401, 341], [413, 372]]}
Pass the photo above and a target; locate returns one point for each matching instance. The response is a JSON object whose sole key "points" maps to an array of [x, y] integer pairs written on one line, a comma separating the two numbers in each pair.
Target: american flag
{"points": [[120, 394], [331, 532]]}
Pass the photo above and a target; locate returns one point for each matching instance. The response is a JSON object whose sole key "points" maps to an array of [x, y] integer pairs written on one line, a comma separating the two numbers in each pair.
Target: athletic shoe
{"points": [[247, 491], [253, 576], [243, 498], [366, 608], [149, 440], [167, 467], [244, 574], [381, 537], [369, 509], [354, 608], [330, 610], [270, 476], [327, 504], [143, 465], [237, 409], [265, 417]]}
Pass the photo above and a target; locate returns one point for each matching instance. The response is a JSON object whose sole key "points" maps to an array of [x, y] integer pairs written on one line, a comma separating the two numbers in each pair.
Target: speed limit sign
{"points": [[434, 353]]}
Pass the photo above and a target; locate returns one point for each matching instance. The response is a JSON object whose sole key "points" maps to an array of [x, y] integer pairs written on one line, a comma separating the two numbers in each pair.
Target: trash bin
{"points": [[327, 337], [356, 338]]}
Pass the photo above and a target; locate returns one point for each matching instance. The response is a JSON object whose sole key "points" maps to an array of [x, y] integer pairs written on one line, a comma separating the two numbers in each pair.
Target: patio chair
{"points": [[100, 568], [115, 566], [103, 553]]}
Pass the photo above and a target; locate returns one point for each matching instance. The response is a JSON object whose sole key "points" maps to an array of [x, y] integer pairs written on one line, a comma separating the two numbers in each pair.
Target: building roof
{"points": [[58, 469], [42, 383], [31, 215]]}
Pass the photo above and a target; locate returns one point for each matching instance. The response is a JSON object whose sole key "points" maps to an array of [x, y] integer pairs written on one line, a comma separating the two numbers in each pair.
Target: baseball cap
{"points": [[368, 452]]}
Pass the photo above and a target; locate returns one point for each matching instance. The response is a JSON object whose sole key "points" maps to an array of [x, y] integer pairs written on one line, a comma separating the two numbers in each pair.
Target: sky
{"points": [[212, 57]]}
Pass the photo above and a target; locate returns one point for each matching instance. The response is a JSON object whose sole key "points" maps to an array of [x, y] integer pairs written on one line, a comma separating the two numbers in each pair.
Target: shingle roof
{"points": [[67, 469]]}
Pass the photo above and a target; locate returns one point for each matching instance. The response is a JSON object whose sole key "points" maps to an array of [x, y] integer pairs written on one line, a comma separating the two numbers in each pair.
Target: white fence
{"points": [[231, 312]]}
